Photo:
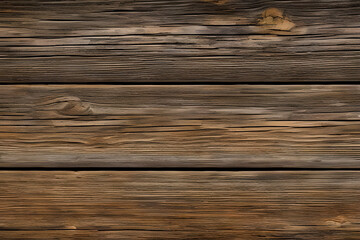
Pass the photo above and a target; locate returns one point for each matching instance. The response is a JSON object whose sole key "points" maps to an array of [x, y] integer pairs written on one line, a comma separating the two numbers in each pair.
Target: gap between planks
{"points": [[174, 169], [193, 83]]}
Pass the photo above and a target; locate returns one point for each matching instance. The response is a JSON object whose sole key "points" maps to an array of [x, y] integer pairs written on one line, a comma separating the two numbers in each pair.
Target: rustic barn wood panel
{"points": [[180, 126], [178, 41], [184, 119], [180, 205]]}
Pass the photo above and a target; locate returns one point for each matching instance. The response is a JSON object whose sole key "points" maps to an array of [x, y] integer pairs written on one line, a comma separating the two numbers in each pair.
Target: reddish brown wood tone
{"points": [[180, 205]]}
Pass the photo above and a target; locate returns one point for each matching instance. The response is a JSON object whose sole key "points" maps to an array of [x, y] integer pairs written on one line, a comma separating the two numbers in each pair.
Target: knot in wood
{"points": [[72, 106], [274, 19], [76, 108]]}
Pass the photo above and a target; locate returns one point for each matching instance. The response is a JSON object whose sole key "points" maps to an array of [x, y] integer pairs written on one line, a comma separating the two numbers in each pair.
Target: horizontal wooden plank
{"points": [[178, 41], [181, 205], [180, 126], [125, 235]]}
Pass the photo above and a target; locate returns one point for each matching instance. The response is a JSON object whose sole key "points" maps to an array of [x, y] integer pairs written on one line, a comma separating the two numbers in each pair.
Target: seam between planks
{"points": [[181, 83]]}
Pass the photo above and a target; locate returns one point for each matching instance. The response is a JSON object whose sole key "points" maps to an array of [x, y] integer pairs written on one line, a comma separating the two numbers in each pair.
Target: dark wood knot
{"points": [[72, 106]]}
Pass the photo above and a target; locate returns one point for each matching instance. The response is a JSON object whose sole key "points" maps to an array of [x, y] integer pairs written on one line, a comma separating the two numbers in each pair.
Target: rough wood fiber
{"points": [[177, 41], [180, 205], [180, 126]]}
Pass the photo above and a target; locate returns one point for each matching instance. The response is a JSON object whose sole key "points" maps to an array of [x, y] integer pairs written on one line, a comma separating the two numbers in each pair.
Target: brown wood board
{"points": [[180, 41], [244, 126], [180, 205]]}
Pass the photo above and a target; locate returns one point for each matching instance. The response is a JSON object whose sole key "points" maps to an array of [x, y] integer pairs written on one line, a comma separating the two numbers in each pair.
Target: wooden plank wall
{"points": [[185, 119]]}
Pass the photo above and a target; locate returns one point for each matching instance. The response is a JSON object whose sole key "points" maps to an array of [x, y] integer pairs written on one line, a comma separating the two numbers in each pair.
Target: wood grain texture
{"points": [[180, 126], [177, 41], [181, 205]]}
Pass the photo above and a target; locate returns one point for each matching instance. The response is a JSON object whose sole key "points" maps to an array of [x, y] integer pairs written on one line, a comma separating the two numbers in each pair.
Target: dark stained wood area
{"points": [[128, 41], [180, 126], [180, 205]]}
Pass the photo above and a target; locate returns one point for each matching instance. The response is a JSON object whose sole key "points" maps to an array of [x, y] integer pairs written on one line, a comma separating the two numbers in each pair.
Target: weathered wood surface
{"points": [[177, 41], [181, 205], [180, 126], [157, 235]]}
